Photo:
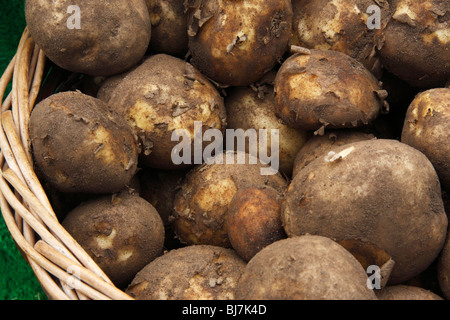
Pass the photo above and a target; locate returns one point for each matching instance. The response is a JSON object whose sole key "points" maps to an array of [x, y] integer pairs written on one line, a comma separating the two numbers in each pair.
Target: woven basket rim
{"points": [[63, 268]]}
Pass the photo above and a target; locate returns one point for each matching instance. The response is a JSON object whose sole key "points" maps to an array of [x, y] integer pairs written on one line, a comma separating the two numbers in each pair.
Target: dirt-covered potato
{"points": [[236, 42], [169, 27], [406, 292], [427, 128], [201, 205], [254, 220], [80, 145], [165, 94], [343, 26], [327, 89], [443, 269], [380, 192], [190, 273], [304, 268], [108, 85], [258, 106], [417, 42], [121, 232], [318, 146], [94, 37]]}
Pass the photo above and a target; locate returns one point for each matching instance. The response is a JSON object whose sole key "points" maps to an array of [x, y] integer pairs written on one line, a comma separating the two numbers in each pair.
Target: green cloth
{"points": [[17, 280]]}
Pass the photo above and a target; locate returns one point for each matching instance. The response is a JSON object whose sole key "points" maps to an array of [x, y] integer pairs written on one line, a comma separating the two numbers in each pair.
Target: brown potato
{"points": [[111, 36], [405, 292], [381, 192], [327, 89], [427, 129], [80, 145], [344, 26], [169, 27], [254, 220], [189, 273], [443, 269], [122, 233], [304, 268], [201, 205], [162, 95], [236, 42], [417, 43], [320, 146], [258, 106]]}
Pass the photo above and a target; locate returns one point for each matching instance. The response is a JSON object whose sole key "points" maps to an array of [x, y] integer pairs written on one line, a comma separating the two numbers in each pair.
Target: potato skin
{"points": [[190, 273], [162, 95], [254, 220], [382, 192], [202, 203], [80, 145], [236, 42], [259, 110], [304, 268], [113, 36], [169, 27], [406, 292], [342, 26], [416, 46], [326, 89], [427, 129], [443, 269], [122, 233], [318, 146]]}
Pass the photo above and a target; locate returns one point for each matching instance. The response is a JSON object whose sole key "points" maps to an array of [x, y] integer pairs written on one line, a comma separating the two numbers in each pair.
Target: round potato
{"points": [[344, 26], [405, 292], [189, 273], [80, 145], [122, 233], [169, 27], [254, 220], [236, 42], [319, 146], [165, 95], [417, 42], [443, 269], [201, 205], [258, 106], [96, 37], [304, 268], [427, 128], [327, 89], [381, 192]]}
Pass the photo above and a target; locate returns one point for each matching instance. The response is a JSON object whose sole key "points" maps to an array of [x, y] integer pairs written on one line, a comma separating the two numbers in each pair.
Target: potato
{"points": [[236, 42], [405, 292], [343, 26], [327, 89], [169, 27], [258, 106], [96, 38], [80, 145], [304, 268], [190, 273], [427, 128], [443, 269], [417, 42], [162, 95], [320, 146], [109, 84], [122, 233], [201, 205], [380, 192], [254, 220]]}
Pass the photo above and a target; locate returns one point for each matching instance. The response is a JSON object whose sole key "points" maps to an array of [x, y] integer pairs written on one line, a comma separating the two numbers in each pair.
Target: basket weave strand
{"points": [[62, 267]]}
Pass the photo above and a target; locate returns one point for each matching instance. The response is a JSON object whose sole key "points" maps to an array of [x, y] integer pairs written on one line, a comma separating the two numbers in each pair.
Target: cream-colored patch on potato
{"points": [[106, 241], [441, 35], [207, 199], [125, 253], [405, 8], [102, 138], [196, 289], [305, 86]]}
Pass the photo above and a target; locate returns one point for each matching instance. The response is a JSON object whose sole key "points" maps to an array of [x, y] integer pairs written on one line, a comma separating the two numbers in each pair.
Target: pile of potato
{"points": [[357, 91]]}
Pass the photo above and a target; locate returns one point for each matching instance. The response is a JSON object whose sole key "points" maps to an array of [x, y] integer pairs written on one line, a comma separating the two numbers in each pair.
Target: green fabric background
{"points": [[17, 280]]}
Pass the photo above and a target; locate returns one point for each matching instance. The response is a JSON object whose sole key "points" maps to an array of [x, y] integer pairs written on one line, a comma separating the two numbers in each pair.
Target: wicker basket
{"points": [[62, 267]]}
